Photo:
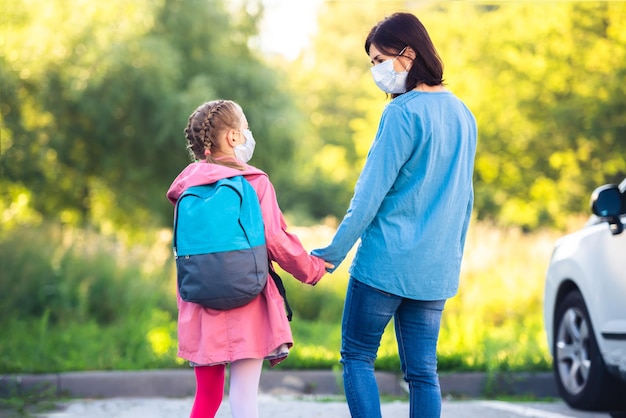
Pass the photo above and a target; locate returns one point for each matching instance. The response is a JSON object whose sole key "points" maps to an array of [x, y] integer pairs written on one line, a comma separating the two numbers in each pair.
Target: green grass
{"points": [[23, 403], [77, 300]]}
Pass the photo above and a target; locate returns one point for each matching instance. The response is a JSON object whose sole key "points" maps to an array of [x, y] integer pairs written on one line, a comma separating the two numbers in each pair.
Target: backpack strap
{"points": [[282, 291]]}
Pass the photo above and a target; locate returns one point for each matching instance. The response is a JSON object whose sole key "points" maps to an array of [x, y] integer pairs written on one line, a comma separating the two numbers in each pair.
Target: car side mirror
{"points": [[606, 203]]}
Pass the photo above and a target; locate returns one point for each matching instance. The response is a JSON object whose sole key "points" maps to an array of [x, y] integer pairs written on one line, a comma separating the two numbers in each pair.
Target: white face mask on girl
{"points": [[387, 78], [244, 151]]}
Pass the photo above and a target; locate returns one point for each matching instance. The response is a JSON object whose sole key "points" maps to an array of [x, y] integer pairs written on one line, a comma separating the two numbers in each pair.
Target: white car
{"points": [[584, 307]]}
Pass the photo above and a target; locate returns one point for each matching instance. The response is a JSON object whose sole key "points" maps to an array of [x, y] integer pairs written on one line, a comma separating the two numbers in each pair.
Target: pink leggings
{"points": [[209, 391], [244, 387]]}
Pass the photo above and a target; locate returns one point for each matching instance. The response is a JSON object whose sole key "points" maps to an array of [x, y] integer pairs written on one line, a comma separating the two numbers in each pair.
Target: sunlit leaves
{"points": [[505, 62], [98, 95], [545, 81]]}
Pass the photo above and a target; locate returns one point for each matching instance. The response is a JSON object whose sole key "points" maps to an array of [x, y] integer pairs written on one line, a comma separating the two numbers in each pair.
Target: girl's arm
{"points": [[284, 247]]}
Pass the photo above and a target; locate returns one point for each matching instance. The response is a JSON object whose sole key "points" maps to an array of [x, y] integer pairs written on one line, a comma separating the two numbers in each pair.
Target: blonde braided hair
{"points": [[205, 126]]}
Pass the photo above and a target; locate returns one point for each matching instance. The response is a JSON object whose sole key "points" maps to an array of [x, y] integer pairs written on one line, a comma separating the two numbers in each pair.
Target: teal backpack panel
{"points": [[219, 244]]}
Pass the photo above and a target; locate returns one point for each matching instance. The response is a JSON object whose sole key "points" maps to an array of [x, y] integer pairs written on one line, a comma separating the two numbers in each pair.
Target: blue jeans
{"points": [[367, 312]]}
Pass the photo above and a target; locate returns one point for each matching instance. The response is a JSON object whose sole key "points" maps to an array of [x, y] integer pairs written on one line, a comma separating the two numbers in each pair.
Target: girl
{"points": [[221, 143]]}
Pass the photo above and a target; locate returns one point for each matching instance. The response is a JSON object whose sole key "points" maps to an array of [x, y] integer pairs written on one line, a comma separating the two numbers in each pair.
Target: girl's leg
{"points": [[367, 311], [244, 387], [209, 391], [417, 326]]}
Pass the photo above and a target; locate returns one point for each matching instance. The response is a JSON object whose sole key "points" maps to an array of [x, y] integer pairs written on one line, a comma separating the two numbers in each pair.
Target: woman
{"points": [[221, 143], [411, 210]]}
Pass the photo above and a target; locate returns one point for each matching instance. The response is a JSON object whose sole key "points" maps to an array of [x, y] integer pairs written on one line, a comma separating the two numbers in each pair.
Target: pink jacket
{"points": [[256, 330]]}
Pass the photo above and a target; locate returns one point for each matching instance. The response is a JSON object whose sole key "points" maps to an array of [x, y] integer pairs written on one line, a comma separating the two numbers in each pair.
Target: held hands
{"points": [[329, 268]]}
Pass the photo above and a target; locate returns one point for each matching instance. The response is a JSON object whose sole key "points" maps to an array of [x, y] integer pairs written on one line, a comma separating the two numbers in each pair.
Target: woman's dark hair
{"points": [[400, 30]]}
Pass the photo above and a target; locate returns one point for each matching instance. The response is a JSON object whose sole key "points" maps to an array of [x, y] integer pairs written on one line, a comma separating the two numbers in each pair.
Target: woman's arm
{"points": [[392, 147]]}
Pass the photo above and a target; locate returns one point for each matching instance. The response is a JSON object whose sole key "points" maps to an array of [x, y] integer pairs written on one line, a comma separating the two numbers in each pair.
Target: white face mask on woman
{"points": [[387, 78], [244, 151]]}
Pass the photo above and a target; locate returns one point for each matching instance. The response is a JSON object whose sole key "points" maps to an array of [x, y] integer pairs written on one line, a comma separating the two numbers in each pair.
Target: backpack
{"points": [[219, 244]]}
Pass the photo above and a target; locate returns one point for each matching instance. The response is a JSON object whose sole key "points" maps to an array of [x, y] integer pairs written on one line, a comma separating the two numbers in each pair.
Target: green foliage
{"points": [[79, 301], [73, 275], [97, 98], [544, 91], [545, 81], [76, 300], [40, 346], [307, 352], [321, 304], [16, 401]]}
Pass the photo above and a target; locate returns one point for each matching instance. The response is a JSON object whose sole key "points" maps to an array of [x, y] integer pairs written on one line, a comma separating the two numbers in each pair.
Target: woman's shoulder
{"points": [[417, 96], [422, 102]]}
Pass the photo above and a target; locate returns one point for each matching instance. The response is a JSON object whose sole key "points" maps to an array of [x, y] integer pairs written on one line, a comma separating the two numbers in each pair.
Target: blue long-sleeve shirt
{"points": [[413, 200]]}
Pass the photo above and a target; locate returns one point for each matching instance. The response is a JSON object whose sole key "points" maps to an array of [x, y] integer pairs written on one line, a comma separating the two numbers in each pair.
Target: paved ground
{"points": [[291, 407], [288, 394], [180, 383]]}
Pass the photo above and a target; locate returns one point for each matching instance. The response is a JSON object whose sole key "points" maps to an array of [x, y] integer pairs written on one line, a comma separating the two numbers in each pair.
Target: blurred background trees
{"points": [[95, 96], [545, 81]]}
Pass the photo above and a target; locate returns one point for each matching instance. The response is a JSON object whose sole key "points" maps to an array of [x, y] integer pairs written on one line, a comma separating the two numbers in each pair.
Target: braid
{"points": [[209, 125], [201, 128], [204, 126]]}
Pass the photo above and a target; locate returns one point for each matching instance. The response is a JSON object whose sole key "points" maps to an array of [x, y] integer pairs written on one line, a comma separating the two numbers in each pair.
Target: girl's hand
{"points": [[328, 265]]}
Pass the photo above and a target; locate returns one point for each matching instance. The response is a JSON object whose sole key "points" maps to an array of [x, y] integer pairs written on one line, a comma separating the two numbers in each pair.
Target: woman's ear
{"points": [[409, 53]]}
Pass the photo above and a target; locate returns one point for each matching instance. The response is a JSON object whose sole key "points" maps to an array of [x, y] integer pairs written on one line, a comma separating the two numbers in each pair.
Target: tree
{"points": [[543, 79], [95, 98], [341, 105], [546, 91], [100, 95]]}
